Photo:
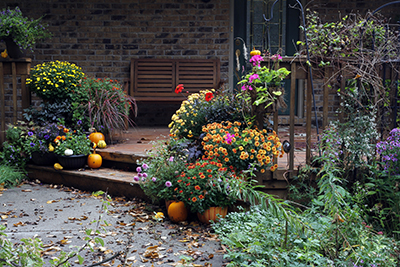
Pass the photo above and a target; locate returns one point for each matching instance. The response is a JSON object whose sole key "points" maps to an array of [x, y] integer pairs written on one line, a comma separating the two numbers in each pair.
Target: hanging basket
{"points": [[13, 49]]}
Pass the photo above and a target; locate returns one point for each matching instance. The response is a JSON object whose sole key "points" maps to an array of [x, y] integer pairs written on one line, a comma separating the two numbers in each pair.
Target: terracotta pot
{"points": [[211, 214]]}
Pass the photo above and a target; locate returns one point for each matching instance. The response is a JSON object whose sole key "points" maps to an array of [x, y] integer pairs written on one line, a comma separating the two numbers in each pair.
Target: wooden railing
{"points": [[16, 68]]}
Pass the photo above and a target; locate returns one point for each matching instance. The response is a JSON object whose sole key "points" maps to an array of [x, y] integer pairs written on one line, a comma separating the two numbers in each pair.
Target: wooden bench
{"points": [[155, 80]]}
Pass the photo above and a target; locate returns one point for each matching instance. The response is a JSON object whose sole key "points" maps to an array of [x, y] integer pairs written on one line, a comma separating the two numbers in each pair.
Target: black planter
{"points": [[13, 49], [72, 162], [44, 159]]}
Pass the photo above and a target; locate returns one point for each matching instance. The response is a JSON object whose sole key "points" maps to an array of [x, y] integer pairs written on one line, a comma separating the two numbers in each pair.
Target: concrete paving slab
{"points": [[59, 216]]}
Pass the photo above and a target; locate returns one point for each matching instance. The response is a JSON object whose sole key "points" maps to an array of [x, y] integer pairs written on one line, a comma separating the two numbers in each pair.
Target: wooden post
{"points": [[14, 86], [308, 119], [292, 110]]}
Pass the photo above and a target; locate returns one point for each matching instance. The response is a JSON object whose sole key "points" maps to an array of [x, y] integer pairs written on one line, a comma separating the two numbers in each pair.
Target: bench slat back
{"points": [[156, 79]]}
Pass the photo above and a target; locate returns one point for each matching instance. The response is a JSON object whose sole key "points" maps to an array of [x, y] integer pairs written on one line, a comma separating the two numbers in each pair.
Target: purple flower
{"points": [[154, 179], [254, 77], [140, 174], [144, 175], [32, 144], [46, 137], [138, 169], [136, 178], [30, 133], [145, 166], [168, 184]]}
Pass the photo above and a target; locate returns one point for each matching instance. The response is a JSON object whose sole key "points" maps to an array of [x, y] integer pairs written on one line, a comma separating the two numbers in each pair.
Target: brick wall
{"points": [[101, 36]]}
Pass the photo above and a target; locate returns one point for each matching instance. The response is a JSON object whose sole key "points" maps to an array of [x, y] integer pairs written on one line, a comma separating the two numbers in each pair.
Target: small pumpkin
{"points": [[94, 160], [96, 137], [255, 52], [177, 211], [68, 152], [101, 144]]}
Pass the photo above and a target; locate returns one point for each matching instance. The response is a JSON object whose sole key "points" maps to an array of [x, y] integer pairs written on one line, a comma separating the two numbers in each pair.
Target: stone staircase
{"points": [[120, 162]]}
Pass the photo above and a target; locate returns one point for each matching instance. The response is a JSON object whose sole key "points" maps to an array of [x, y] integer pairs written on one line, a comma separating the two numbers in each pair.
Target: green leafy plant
{"points": [[262, 86], [24, 31], [108, 105], [76, 141], [158, 176], [16, 150], [10, 176]]}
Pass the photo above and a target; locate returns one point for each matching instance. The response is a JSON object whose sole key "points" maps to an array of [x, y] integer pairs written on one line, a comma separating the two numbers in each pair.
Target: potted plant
{"points": [[39, 141], [72, 149], [108, 107], [204, 186], [19, 32], [262, 86], [158, 176]]}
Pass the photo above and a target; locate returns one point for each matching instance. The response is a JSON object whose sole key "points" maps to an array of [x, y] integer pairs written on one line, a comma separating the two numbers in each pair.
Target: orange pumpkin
{"points": [[177, 211], [255, 52], [94, 161], [96, 137]]}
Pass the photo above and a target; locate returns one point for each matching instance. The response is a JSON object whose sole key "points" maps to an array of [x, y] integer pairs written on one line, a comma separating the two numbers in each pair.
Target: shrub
{"points": [[203, 108]]}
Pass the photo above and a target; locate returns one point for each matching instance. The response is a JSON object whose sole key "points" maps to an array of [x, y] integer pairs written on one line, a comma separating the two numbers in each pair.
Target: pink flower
{"points": [[380, 233], [136, 178], [229, 138], [276, 57], [168, 184], [256, 60], [246, 87], [171, 158], [154, 179], [254, 77]]}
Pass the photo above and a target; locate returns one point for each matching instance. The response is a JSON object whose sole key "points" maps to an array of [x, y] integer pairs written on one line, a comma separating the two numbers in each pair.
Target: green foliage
{"points": [[10, 176], [77, 141], [167, 160], [24, 31], [49, 112], [16, 149]]}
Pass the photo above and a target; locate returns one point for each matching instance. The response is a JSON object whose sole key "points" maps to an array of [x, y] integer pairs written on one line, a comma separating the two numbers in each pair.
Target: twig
{"points": [[106, 260]]}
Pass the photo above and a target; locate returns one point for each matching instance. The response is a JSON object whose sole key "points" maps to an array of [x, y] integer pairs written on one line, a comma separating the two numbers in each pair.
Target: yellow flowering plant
{"points": [[241, 149], [57, 80], [202, 108]]}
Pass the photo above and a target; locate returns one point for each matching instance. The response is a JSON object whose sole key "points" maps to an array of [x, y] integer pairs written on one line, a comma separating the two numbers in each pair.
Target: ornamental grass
{"points": [[241, 149]]}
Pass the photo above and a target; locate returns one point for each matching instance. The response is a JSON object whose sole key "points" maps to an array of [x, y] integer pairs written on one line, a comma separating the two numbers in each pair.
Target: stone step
{"points": [[114, 182]]}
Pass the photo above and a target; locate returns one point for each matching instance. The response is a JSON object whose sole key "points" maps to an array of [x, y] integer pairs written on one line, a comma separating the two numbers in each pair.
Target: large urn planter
{"points": [[44, 159], [13, 49], [211, 214], [72, 162]]}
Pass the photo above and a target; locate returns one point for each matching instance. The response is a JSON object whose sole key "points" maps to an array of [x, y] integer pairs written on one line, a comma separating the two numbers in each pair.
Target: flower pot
{"points": [[72, 162], [211, 214], [13, 49], [44, 159]]}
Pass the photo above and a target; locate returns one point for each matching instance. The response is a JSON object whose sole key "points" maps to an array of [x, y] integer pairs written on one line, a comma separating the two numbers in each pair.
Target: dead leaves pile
{"points": [[133, 218]]}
